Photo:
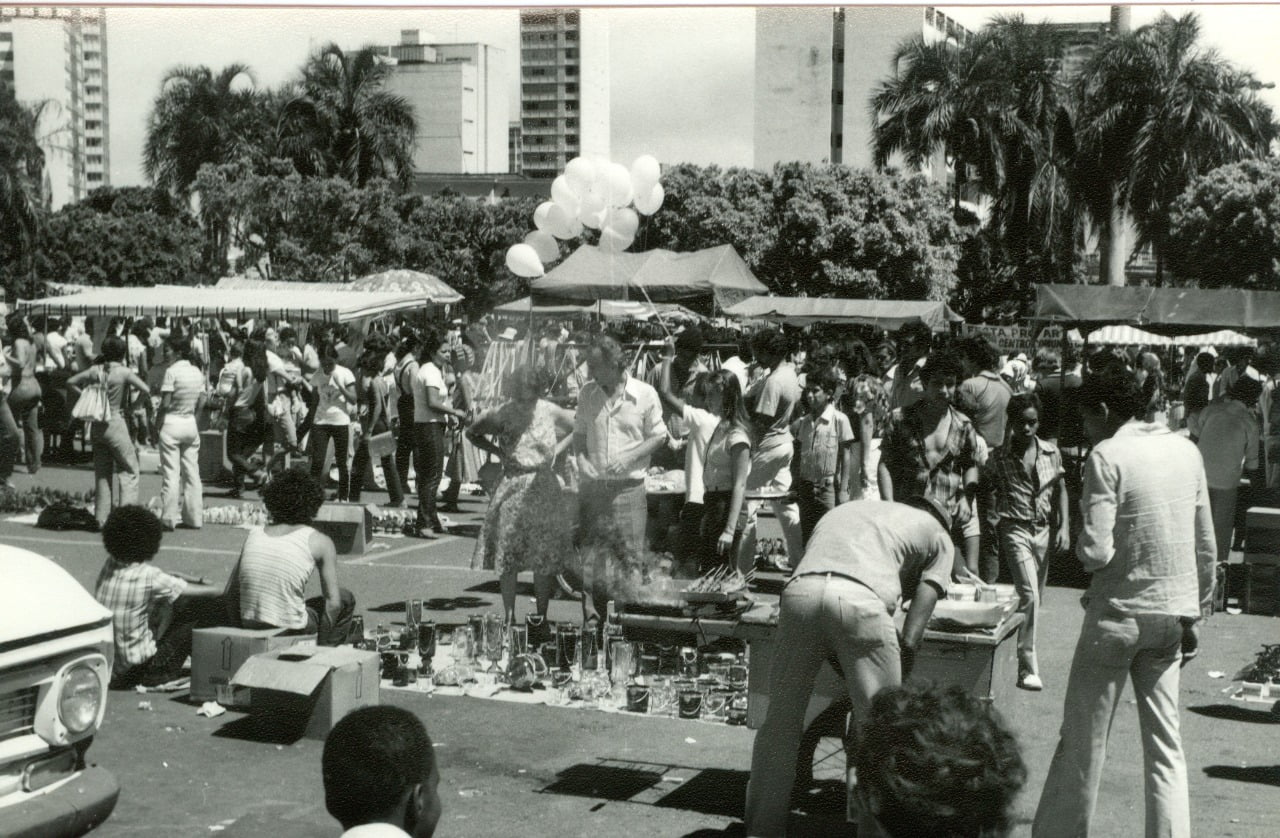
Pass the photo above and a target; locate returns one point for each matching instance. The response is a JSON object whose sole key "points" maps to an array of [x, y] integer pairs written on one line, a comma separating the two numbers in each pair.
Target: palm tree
{"points": [[24, 198], [198, 118], [1155, 110], [344, 123]]}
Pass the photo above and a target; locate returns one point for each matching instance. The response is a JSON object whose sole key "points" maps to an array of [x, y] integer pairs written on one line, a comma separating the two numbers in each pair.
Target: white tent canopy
{"points": [[317, 304], [1131, 336]]}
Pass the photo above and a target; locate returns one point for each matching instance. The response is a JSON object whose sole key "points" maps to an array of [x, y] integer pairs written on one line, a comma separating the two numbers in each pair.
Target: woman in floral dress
{"points": [[529, 525]]}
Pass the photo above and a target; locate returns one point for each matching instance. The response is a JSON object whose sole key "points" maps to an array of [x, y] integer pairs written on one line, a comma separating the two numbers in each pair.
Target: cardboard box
{"points": [[322, 684], [348, 524], [217, 653]]}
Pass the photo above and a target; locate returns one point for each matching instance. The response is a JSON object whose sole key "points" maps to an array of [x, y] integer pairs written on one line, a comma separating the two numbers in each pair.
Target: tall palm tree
{"points": [[344, 123], [1155, 110], [24, 199], [201, 117]]}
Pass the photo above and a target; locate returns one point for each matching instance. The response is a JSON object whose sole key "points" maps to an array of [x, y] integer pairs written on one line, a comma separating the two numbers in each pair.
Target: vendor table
{"points": [[984, 663]]}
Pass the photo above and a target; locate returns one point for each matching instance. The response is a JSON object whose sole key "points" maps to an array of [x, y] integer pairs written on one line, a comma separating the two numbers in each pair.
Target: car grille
{"points": [[18, 712]]}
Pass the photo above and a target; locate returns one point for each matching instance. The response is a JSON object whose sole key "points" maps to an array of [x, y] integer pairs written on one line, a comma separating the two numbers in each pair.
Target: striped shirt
{"points": [[186, 383], [273, 577], [128, 591], [1017, 495]]}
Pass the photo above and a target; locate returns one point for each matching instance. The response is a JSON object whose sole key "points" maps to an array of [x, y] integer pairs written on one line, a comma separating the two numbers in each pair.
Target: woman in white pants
{"points": [[182, 395]]}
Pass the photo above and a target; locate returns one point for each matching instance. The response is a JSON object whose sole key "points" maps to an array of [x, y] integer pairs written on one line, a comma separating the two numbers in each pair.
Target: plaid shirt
{"points": [[128, 592], [917, 471], [1018, 496]]}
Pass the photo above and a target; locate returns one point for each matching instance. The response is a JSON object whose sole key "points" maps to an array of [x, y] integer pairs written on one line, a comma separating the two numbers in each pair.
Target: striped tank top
{"points": [[273, 577]]}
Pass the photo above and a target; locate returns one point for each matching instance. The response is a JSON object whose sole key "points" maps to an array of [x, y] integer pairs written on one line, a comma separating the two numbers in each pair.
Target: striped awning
{"points": [[1130, 335]]}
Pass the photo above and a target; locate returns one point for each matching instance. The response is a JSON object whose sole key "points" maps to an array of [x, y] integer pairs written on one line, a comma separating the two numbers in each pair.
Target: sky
{"points": [[681, 80]]}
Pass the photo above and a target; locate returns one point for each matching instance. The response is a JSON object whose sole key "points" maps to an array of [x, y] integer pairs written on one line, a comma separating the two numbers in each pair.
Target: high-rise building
{"points": [[58, 56], [460, 98], [816, 69], [564, 88], [515, 148]]}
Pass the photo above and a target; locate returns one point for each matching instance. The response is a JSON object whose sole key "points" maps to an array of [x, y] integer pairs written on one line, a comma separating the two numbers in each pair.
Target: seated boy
{"points": [[150, 609]]}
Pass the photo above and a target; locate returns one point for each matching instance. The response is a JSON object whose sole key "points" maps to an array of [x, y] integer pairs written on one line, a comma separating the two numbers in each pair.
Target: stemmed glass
{"points": [[494, 635]]}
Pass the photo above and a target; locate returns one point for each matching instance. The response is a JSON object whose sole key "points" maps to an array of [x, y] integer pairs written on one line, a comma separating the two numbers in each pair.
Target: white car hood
{"points": [[37, 597]]}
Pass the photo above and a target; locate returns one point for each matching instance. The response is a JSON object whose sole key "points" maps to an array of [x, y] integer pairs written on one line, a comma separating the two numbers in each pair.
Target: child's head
{"points": [[1023, 414], [132, 534], [819, 387]]}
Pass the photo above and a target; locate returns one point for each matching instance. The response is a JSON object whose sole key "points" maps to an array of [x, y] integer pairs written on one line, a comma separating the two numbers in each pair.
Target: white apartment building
{"points": [[59, 55]]}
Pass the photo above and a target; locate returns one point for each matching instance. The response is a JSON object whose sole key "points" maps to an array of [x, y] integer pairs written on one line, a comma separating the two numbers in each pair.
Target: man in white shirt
{"points": [[740, 364], [1228, 443], [380, 775]]}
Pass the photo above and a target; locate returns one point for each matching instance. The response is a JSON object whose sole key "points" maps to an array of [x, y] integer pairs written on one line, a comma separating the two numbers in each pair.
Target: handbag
{"points": [[382, 445], [93, 405]]}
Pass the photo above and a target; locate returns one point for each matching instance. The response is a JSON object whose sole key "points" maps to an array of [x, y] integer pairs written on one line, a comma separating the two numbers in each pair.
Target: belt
{"points": [[616, 481], [828, 575]]}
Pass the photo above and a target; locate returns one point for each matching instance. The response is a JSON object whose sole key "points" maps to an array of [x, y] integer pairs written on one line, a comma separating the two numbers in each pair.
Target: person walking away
{"points": [[1030, 505], [114, 455], [771, 402], [617, 427], [461, 359], [1153, 386], [268, 585], [1229, 447], [182, 397], [528, 526], [152, 612], [824, 442], [1195, 392], [933, 451], [983, 396], [864, 560], [335, 388], [374, 397], [404, 374], [247, 425], [380, 775], [1148, 540], [430, 410], [24, 394]]}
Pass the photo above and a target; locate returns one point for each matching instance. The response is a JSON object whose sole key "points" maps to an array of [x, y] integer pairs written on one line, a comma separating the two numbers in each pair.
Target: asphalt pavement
{"points": [[537, 770]]}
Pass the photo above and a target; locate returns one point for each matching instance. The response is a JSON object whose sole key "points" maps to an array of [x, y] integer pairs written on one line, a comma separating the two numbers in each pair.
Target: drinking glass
{"points": [[715, 704], [622, 658], [462, 645], [494, 634]]}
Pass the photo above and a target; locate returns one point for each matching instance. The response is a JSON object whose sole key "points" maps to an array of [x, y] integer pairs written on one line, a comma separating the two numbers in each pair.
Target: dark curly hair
{"points": [[941, 364], [293, 497], [527, 378], [1020, 402], [132, 534], [938, 762], [1109, 384]]}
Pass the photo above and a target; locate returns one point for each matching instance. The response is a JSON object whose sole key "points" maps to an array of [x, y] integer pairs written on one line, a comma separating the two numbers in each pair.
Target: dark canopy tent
{"points": [[883, 314], [1167, 311], [591, 274]]}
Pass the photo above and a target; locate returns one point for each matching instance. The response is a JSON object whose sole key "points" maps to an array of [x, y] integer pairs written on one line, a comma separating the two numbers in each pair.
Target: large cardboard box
{"points": [[321, 685], [217, 653], [350, 525]]}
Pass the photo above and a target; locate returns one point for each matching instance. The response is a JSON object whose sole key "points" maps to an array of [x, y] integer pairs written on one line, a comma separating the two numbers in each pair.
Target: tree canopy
{"points": [[1224, 230]]}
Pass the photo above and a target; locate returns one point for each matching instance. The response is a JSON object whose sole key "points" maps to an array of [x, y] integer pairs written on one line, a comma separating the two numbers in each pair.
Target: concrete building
{"points": [[460, 100], [816, 69], [58, 55], [564, 87], [515, 148]]}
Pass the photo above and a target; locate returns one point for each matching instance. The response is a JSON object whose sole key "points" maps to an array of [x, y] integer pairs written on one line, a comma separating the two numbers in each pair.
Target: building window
{"points": [[571, 123], [93, 142], [571, 70], [95, 176], [571, 37], [571, 139], [571, 88]]}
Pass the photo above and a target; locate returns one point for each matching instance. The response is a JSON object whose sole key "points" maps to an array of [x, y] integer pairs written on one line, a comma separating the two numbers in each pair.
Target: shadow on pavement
{"points": [[265, 728], [1232, 713], [437, 604], [1268, 775]]}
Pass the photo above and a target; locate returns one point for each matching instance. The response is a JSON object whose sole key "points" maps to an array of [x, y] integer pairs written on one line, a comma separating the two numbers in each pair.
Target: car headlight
{"points": [[80, 698]]}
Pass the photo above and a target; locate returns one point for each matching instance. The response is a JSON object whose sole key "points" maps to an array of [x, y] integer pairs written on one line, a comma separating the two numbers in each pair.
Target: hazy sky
{"points": [[681, 80]]}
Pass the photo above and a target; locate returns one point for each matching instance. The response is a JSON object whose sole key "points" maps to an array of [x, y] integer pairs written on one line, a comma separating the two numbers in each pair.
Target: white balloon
{"points": [[558, 222], [563, 194], [575, 228], [623, 221], [522, 260], [544, 244], [645, 172], [651, 202], [579, 175], [540, 215], [618, 185], [591, 211], [613, 241]]}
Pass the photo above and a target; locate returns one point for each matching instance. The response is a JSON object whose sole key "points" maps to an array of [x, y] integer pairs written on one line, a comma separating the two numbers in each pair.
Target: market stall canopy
{"points": [[590, 273], [399, 281], [317, 304], [884, 314], [1132, 336], [608, 309], [1160, 310]]}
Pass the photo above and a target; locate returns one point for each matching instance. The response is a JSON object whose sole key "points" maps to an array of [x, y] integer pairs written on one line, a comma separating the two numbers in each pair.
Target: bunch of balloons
{"points": [[603, 196]]}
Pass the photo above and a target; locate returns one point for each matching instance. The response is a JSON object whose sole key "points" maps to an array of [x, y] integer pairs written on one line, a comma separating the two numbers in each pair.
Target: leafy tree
{"points": [[343, 123], [199, 117], [1224, 231], [121, 237], [24, 199]]}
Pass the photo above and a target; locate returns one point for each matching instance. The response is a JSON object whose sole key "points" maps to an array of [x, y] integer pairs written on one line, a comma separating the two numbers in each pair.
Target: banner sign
{"points": [[1010, 340]]}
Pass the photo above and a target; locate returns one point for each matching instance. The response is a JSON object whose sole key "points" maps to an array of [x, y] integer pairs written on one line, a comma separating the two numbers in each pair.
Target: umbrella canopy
{"points": [[884, 314], [403, 281], [658, 275], [1161, 310]]}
